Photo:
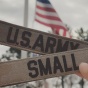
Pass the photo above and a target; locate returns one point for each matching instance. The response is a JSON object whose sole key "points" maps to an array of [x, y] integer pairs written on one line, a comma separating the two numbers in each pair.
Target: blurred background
{"points": [[73, 14]]}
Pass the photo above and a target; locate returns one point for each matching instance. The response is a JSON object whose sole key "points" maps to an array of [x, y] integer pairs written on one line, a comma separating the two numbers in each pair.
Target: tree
{"points": [[81, 34]]}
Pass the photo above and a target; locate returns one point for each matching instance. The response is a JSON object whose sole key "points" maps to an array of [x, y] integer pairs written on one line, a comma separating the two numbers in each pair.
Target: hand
{"points": [[83, 68]]}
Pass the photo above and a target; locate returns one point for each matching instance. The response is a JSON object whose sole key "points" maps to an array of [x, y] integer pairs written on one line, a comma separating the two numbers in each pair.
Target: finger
{"points": [[79, 74], [83, 68]]}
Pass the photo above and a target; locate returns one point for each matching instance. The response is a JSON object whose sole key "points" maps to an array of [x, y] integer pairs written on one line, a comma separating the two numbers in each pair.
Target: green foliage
{"points": [[11, 54], [81, 34]]}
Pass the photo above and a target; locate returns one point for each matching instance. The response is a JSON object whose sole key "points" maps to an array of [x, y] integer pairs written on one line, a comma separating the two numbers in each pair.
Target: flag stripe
{"points": [[52, 22], [49, 25], [46, 9], [48, 17], [46, 13]]}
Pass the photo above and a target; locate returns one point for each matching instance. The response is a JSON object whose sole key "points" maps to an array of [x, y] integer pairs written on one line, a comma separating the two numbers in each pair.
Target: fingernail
{"points": [[83, 67]]}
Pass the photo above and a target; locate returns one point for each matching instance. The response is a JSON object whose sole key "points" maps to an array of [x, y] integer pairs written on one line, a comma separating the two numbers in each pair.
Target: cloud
{"points": [[72, 12], [12, 11]]}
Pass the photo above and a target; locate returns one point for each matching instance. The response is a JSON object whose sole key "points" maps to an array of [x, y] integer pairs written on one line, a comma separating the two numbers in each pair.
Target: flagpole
{"points": [[31, 53], [26, 13], [34, 15], [24, 53]]}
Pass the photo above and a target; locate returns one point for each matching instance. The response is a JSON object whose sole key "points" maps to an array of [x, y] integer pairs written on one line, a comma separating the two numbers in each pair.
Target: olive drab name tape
{"points": [[47, 66], [50, 65]]}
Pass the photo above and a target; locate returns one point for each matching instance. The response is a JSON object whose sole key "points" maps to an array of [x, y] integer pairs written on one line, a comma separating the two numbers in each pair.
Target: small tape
{"points": [[42, 67]]}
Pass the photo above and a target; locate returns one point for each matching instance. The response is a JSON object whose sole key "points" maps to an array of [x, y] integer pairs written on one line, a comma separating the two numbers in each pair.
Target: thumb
{"points": [[83, 68]]}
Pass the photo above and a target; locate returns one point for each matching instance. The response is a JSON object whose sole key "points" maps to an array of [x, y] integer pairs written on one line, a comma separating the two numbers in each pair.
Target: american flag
{"points": [[46, 15]]}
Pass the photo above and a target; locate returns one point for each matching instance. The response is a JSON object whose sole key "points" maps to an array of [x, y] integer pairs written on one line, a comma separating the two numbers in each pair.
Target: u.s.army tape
{"points": [[47, 66], [36, 41]]}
